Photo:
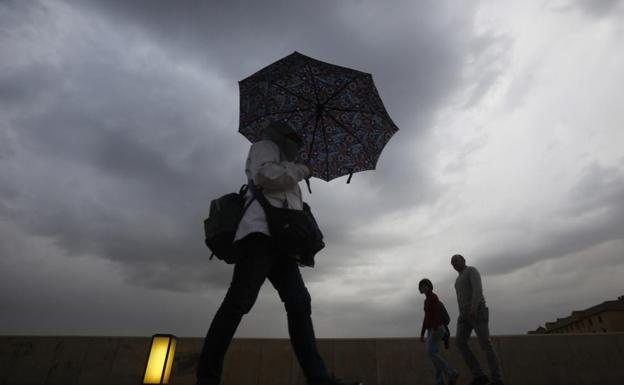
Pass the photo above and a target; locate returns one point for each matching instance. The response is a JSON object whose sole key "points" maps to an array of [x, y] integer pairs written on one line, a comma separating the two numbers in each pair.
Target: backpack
{"points": [[446, 319], [222, 222]]}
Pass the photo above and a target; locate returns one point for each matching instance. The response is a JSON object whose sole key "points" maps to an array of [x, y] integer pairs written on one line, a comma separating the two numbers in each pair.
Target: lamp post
{"points": [[160, 359]]}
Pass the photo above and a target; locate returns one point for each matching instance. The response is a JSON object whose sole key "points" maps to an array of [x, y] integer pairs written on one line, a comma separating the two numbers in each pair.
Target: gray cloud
{"points": [[112, 165], [598, 8], [593, 215], [118, 125], [128, 151]]}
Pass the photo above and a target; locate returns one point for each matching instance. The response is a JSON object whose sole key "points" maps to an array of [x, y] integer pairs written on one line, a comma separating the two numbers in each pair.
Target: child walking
{"points": [[436, 332]]}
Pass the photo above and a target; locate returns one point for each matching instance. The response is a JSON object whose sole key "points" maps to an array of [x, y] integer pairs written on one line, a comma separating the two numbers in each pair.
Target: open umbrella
{"points": [[336, 111]]}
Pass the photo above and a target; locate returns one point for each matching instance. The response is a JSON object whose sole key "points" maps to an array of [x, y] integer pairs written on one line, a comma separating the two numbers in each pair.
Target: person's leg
{"points": [[447, 337], [433, 340], [464, 329], [448, 369], [250, 272], [482, 330], [286, 278]]}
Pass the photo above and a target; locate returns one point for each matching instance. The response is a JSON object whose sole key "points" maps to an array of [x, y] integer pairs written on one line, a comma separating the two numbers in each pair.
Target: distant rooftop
{"points": [[584, 320]]}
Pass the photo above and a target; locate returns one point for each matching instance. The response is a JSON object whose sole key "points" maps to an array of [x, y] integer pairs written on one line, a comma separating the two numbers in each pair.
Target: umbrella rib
{"points": [[313, 82], [326, 149], [366, 149], [292, 93], [313, 135], [343, 87], [277, 113]]}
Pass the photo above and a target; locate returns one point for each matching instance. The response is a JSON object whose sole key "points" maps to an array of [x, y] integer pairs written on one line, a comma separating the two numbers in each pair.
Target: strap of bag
{"points": [[257, 193], [242, 192]]}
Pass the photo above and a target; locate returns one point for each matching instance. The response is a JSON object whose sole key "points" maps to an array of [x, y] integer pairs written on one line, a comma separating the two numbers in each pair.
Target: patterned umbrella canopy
{"points": [[335, 110]]}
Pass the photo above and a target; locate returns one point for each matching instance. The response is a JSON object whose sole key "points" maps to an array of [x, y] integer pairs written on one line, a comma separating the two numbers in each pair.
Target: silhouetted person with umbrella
{"points": [[338, 126], [270, 166], [473, 314]]}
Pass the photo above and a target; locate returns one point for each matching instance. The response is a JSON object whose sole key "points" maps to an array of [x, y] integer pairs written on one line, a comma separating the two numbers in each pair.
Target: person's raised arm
{"points": [[269, 172]]}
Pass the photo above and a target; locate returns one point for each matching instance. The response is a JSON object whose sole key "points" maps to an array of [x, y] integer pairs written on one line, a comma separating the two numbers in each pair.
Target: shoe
{"points": [[481, 380], [452, 380]]}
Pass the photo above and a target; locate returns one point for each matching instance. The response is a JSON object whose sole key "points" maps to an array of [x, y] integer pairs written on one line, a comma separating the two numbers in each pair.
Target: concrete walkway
{"points": [[526, 360]]}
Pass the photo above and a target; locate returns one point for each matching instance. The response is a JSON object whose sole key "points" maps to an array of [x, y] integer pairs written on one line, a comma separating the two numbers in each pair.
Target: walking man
{"points": [[270, 165], [473, 314], [436, 332]]}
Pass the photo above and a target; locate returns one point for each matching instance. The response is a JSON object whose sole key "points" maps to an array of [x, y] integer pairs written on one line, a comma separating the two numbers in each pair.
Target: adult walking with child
{"points": [[474, 315]]}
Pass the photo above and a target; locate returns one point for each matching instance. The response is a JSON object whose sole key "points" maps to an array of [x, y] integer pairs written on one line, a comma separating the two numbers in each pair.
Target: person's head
{"points": [[285, 137], [425, 286], [458, 262]]}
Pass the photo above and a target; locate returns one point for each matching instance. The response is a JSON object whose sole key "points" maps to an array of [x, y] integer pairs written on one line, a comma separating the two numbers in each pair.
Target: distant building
{"points": [[603, 318]]}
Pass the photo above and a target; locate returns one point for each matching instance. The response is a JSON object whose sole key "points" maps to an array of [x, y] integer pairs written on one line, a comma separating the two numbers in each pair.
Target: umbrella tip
{"points": [[349, 179]]}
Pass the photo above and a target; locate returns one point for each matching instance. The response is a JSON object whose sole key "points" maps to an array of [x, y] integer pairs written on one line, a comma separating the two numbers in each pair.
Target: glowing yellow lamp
{"points": [[160, 359]]}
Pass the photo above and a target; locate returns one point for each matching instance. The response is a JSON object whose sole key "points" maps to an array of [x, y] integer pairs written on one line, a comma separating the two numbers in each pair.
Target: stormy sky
{"points": [[118, 125]]}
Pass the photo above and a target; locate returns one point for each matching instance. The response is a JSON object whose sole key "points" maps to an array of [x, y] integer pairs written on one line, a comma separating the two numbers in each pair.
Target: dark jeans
{"points": [[465, 325], [441, 366], [261, 260]]}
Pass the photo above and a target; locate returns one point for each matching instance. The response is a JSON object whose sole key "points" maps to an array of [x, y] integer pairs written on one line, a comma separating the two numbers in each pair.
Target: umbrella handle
{"points": [[307, 180]]}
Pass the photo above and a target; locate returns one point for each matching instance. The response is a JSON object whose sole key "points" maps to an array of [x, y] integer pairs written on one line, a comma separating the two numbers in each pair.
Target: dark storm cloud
{"points": [[593, 215], [414, 53], [23, 85], [116, 161], [127, 135]]}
